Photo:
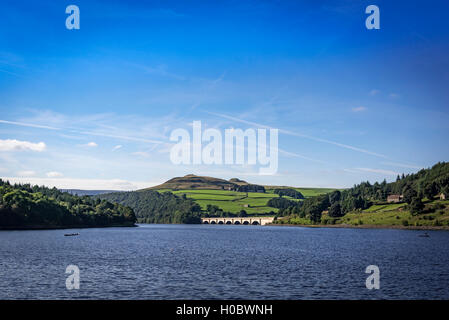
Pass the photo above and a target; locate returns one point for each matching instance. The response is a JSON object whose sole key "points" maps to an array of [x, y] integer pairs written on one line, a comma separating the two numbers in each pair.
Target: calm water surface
{"points": [[224, 262]]}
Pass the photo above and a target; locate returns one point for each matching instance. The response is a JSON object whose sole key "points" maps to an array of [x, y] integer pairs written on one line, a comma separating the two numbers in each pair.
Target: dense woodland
{"points": [[289, 192], [157, 207], [26, 206], [425, 184], [250, 188], [281, 203]]}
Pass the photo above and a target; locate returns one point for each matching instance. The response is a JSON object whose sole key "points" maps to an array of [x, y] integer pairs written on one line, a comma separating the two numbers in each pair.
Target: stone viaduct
{"points": [[237, 220]]}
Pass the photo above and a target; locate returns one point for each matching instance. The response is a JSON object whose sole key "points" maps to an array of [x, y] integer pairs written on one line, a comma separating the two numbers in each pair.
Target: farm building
{"points": [[395, 198]]}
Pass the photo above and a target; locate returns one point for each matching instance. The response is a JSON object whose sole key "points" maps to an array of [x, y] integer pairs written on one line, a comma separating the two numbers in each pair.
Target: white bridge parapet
{"points": [[237, 220]]}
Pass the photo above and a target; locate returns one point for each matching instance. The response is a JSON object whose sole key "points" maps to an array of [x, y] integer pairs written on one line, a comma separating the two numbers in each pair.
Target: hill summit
{"points": [[191, 182]]}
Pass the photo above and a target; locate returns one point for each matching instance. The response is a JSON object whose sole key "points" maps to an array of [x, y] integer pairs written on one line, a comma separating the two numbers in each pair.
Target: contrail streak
{"points": [[297, 134]]}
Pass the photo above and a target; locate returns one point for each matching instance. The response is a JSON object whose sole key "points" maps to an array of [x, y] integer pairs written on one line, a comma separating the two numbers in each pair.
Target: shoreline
{"points": [[38, 227], [344, 226], [366, 226]]}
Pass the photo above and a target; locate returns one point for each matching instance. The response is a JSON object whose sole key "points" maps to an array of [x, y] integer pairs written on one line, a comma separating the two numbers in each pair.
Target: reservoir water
{"points": [[224, 262]]}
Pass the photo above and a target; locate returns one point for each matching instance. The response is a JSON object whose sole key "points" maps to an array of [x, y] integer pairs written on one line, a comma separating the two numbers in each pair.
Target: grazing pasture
{"points": [[233, 201]]}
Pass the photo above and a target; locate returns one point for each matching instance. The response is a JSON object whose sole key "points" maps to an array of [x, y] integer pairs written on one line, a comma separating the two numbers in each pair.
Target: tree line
{"points": [[289, 192], [26, 206], [426, 183], [157, 207]]}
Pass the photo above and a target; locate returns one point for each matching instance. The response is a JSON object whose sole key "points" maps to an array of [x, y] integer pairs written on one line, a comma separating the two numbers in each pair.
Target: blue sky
{"points": [[351, 104]]}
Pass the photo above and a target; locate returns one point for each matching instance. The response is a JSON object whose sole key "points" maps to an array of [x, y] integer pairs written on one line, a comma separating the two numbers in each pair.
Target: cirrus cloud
{"points": [[379, 171], [54, 174], [359, 109], [117, 147], [26, 173]]}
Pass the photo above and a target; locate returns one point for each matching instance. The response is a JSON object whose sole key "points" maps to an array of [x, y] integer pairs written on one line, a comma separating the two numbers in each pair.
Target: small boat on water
{"points": [[71, 234], [425, 235]]}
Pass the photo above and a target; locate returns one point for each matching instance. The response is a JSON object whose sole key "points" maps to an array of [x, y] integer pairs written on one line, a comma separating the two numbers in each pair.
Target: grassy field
{"points": [[311, 192], [233, 201], [306, 192], [397, 215]]}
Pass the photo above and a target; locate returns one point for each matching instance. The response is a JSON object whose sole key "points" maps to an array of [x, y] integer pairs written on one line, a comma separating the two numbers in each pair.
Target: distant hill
{"points": [[238, 181], [80, 193], [192, 182]]}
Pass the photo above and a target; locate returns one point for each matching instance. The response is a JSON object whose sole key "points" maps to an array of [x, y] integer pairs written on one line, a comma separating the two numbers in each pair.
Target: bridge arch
{"points": [[238, 220]]}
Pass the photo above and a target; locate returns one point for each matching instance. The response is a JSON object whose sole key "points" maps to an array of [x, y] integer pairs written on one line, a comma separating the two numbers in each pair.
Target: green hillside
{"points": [[234, 202], [230, 201], [423, 201], [435, 213], [186, 199]]}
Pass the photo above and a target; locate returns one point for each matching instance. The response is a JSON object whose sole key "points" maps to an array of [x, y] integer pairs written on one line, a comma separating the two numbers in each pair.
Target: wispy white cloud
{"points": [[402, 165], [11, 73], [117, 147], [31, 125], [91, 144], [359, 109], [165, 13], [297, 155], [54, 174], [380, 171], [26, 173], [122, 12], [17, 145], [160, 70], [351, 170], [107, 135], [297, 134], [141, 154], [95, 125]]}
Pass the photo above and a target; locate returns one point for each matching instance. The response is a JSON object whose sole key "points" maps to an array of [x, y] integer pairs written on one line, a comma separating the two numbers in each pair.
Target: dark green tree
{"points": [[334, 197], [409, 193], [315, 213], [335, 210], [243, 213], [416, 206]]}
